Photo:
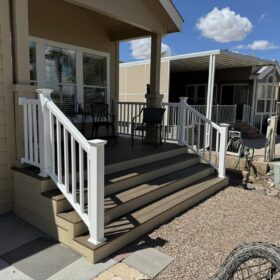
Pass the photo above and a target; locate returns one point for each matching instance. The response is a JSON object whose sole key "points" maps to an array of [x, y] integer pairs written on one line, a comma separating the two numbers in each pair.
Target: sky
{"points": [[245, 26]]}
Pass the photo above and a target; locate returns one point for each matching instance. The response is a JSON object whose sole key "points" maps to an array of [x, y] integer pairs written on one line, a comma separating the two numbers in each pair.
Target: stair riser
{"points": [[62, 205], [152, 196], [147, 176], [125, 239], [112, 168]]}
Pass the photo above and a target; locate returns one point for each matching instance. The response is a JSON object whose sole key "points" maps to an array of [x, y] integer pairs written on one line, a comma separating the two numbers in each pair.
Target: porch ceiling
{"points": [[224, 60], [124, 19]]}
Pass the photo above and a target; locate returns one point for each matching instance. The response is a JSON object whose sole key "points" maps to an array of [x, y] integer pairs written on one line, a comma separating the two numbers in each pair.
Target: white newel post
{"points": [[222, 151], [44, 95], [182, 120], [96, 191]]}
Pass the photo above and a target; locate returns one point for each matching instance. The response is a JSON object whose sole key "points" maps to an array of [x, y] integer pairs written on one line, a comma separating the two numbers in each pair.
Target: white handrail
{"points": [[67, 163], [204, 137], [187, 126]]}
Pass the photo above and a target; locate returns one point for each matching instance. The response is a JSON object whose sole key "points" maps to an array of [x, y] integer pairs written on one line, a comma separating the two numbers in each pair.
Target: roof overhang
{"points": [[173, 13], [139, 18], [224, 60]]}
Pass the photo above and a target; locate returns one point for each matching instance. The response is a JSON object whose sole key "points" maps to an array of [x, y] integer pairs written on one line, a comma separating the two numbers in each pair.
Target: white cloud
{"points": [[259, 45], [141, 48], [224, 25], [263, 17]]}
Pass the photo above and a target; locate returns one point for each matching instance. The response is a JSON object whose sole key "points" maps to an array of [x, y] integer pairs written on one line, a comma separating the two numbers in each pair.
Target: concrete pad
{"points": [[81, 269], [41, 258], [11, 273], [15, 232], [149, 261]]}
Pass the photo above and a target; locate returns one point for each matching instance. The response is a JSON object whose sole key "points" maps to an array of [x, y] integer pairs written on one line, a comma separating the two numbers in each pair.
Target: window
{"points": [[76, 75], [95, 79], [197, 94], [266, 96], [60, 75]]}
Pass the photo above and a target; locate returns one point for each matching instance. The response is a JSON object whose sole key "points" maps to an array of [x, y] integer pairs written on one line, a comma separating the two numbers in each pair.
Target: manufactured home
{"points": [[245, 88]]}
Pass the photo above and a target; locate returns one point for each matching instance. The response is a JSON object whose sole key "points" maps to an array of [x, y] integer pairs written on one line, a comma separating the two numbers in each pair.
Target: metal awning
{"points": [[224, 59]]}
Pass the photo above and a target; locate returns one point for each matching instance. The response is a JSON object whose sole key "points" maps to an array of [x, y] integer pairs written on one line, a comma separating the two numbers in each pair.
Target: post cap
{"points": [[183, 99], [224, 124], [45, 91], [97, 142]]}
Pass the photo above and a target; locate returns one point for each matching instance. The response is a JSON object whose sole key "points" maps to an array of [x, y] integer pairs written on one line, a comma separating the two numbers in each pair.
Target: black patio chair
{"points": [[102, 117], [74, 116], [151, 121]]}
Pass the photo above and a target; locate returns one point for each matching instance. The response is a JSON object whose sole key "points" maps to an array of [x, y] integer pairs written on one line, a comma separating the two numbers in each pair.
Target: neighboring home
{"points": [[249, 82], [93, 197]]}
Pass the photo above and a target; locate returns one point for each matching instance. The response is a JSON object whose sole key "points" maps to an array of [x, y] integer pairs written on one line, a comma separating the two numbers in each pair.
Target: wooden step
{"points": [[129, 200], [130, 227], [120, 204], [126, 179], [149, 158]]}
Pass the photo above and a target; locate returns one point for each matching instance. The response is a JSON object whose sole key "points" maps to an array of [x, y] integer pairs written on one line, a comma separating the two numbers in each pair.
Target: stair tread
{"points": [[136, 171], [54, 194], [115, 200], [143, 215], [70, 216]]}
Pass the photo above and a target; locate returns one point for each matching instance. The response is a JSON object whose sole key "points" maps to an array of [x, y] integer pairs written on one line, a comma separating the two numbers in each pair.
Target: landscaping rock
{"points": [[272, 193], [250, 186]]}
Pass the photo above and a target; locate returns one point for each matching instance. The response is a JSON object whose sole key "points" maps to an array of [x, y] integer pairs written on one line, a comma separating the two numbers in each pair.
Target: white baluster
{"points": [[73, 168], [58, 151], [66, 160], [81, 179]]}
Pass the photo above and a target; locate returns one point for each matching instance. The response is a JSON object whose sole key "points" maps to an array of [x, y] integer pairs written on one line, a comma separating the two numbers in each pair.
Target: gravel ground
{"points": [[200, 239]]}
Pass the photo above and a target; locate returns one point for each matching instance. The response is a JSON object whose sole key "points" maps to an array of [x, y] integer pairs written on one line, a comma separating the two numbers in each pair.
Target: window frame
{"points": [[196, 97], [79, 51]]}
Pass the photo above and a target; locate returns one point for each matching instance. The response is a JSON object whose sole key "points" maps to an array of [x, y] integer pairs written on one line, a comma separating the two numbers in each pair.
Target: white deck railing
{"points": [[76, 165], [246, 116], [204, 137], [220, 113], [31, 131], [189, 130]]}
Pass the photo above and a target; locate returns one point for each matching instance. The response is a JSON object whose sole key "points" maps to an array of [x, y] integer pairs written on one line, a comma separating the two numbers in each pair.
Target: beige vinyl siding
{"points": [[6, 109], [134, 78]]}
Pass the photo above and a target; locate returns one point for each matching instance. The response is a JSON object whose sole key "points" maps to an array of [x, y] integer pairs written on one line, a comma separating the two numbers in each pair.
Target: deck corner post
{"points": [[96, 191], [182, 120], [44, 131], [222, 150]]}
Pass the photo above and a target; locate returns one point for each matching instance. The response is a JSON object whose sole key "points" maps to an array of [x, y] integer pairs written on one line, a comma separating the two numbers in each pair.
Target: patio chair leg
{"points": [[114, 133]]}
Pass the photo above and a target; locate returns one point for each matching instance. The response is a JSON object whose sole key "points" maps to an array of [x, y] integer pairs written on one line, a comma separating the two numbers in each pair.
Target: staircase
{"points": [[97, 209], [247, 131], [137, 199]]}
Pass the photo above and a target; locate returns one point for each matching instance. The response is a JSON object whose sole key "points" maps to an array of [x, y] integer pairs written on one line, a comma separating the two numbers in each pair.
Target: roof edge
{"points": [[173, 13]]}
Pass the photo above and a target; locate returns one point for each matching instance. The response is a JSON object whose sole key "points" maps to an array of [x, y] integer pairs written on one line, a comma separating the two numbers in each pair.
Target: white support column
{"points": [[182, 121], [210, 91], [96, 191], [222, 150], [154, 98], [253, 105], [45, 147]]}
